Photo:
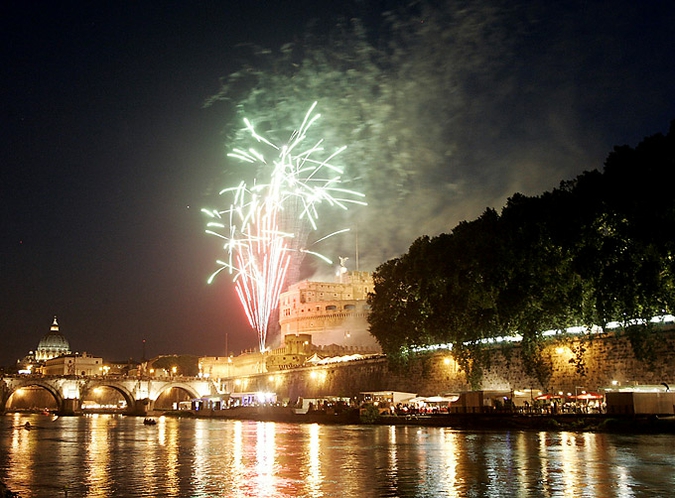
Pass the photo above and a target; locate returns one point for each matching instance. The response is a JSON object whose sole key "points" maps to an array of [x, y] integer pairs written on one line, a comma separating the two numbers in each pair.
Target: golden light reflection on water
{"points": [[314, 476], [98, 458], [393, 460], [521, 457], [200, 466], [21, 458], [544, 464], [449, 440], [265, 457], [146, 464], [575, 464], [497, 467], [238, 469], [569, 475], [167, 438], [119, 456]]}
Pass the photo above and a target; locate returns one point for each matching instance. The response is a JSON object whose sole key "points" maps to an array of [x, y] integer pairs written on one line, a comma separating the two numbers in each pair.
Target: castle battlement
{"points": [[331, 312]]}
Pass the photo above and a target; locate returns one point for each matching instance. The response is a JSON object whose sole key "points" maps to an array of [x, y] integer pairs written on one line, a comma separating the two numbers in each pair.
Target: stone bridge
{"points": [[140, 394]]}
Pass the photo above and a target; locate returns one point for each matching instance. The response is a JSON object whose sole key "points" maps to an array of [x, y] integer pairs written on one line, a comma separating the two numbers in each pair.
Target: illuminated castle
{"points": [[333, 313], [320, 322]]}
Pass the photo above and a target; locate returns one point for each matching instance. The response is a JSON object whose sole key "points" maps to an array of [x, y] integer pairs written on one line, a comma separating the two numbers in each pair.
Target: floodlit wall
{"points": [[609, 362], [331, 312]]}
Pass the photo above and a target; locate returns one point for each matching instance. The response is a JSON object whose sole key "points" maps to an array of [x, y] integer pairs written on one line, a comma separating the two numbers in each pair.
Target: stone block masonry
{"points": [[608, 360]]}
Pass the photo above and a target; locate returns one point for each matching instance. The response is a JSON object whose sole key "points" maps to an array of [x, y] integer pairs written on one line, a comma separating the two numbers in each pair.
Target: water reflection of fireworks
{"points": [[259, 240]]}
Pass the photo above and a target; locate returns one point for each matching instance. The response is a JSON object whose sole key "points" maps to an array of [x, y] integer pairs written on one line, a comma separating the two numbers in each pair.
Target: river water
{"points": [[110, 456]]}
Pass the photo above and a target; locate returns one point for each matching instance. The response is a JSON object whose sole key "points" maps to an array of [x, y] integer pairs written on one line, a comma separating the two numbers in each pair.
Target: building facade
{"points": [[318, 320], [331, 312], [82, 365]]}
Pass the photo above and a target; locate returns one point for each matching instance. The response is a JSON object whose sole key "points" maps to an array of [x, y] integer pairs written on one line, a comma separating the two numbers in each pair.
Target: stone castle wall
{"points": [[608, 358]]}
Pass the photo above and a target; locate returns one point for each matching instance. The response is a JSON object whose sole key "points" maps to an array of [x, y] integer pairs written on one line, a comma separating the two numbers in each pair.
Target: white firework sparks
{"points": [[258, 246]]}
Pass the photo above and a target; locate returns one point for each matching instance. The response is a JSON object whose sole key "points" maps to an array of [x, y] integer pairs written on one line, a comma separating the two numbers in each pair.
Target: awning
{"points": [[548, 397], [587, 395], [442, 399], [315, 358]]}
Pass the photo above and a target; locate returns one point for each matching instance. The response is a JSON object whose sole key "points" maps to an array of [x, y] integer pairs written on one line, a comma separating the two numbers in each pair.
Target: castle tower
{"points": [[331, 312]]}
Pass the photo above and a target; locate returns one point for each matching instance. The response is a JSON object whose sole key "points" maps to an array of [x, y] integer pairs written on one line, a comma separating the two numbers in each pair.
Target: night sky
{"points": [[108, 153]]}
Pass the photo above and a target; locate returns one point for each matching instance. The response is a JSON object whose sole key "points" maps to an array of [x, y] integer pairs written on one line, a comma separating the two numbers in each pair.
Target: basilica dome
{"points": [[53, 344]]}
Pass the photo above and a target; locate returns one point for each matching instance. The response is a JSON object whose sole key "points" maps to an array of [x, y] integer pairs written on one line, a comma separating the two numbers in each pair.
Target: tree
{"points": [[186, 365], [577, 256]]}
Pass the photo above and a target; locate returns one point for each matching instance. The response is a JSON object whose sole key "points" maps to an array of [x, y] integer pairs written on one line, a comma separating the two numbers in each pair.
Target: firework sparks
{"points": [[258, 244]]}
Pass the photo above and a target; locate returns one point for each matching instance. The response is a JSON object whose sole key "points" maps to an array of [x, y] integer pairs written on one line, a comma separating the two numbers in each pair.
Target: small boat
{"points": [[27, 426], [149, 421]]}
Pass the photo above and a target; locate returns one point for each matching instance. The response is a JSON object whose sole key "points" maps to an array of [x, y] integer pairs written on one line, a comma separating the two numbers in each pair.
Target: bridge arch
{"points": [[167, 395], [17, 384], [121, 389], [139, 393], [176, 385]]}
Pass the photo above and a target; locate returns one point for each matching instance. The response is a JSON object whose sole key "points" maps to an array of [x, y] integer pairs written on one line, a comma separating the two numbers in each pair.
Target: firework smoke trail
{"points": [[258, 247]]}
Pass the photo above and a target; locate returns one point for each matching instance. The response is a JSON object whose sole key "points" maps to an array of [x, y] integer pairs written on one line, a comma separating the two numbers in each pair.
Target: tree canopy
{"points": [[599, 248], [184, 364]]}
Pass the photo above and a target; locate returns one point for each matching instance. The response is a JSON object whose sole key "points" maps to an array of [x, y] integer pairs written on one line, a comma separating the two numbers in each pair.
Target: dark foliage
{"points": [[186, 365], [597, 249]]}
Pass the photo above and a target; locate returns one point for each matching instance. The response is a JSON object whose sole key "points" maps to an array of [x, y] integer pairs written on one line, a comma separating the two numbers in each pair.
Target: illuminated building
{"points": [[333, 313], [73, 364], [247, 363], [320, 321], [293, 354], [53, 344], [54, 357]]}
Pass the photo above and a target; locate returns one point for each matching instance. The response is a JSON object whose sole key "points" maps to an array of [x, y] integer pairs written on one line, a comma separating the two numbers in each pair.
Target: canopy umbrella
{"points": [[548, 397], [442, 399], [416, 399], [587, 395]]}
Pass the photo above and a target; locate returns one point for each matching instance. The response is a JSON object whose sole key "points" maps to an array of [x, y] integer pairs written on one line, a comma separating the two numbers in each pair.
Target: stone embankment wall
{"points": [[608, 359]]}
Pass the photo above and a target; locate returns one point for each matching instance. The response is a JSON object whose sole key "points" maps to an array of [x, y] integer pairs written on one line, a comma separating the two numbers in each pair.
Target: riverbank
{"points": [[492, 421]]}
